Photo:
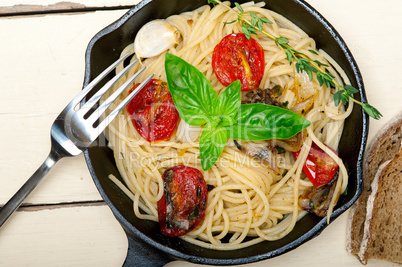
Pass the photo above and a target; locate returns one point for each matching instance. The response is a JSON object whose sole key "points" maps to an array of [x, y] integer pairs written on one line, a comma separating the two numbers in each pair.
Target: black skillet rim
{"points": [[316, 230]]}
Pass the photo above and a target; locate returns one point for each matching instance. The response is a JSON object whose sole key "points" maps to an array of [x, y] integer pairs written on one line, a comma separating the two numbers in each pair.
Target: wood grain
{"points": [[42, 68], [61, 237]]}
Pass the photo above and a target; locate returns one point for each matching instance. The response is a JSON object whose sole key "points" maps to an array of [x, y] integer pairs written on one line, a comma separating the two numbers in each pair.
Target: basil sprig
{"points": [[256, 122], [224, 116]]}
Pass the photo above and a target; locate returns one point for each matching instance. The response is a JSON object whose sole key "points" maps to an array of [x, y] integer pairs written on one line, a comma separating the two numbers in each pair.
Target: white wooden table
{"points": [[64, 222]]}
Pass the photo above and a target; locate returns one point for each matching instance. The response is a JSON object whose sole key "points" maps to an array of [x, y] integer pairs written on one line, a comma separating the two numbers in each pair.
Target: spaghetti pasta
{"points": [[249, 202]]}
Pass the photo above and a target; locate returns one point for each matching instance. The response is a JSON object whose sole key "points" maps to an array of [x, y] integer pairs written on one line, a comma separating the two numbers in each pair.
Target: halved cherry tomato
{"points": [[152, 111], [184, 201], [319, 167], [239, 58]]}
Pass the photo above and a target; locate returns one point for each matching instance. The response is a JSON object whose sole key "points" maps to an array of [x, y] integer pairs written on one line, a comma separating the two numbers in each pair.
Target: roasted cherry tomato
{"points": [[319, 167], [152, 111], [239, 58], [184, 201]]}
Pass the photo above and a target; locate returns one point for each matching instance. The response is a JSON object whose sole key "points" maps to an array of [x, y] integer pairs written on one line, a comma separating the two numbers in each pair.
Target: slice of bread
{"points": [[386, 144], [382, 228]]}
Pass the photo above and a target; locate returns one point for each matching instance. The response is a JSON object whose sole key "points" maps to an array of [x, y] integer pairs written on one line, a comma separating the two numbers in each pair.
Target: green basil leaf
{"points": [[212, 143], [263, 122], [192, 93], [229, 100]]}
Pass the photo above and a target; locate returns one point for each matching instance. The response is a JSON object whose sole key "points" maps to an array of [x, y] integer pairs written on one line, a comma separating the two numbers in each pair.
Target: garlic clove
{"points": [[154, 38], [187, 133]]}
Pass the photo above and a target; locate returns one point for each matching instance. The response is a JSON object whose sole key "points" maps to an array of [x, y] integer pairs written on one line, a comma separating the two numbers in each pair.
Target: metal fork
{"points": [[76, 128]]}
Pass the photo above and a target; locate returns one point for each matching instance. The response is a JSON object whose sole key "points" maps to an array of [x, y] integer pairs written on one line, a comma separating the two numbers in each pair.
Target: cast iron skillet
{"points": [[147, 246]]}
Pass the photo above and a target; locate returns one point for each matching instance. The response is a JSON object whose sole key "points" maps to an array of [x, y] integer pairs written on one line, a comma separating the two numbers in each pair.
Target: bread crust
{"points": [[382, 227], [385, 145], [383, 148]]}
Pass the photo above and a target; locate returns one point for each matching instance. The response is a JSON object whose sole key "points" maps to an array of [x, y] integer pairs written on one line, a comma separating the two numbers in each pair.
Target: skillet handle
{"points": [[140, 254]]}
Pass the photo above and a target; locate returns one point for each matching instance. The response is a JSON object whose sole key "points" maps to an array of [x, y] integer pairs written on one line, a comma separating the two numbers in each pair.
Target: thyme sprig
{"points": [[254, 25], [302, 61]]}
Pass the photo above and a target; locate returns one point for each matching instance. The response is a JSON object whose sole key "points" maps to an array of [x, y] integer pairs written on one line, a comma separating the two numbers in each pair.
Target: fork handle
{"points": [[26, 189]]}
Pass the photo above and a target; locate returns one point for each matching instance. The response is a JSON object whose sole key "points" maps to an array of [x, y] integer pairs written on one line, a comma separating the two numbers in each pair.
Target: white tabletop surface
{"points": [[42, 67]]}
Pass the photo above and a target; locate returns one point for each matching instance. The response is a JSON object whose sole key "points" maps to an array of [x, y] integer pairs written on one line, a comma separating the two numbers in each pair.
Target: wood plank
{"points": [[42, 69], [83, 2], [43, 66], [371, 41], [16, 8], [91, 236], [61, 237], [59, 42]]}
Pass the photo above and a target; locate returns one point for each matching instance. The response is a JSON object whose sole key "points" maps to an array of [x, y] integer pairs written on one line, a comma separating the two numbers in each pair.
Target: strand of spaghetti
{"points": [[272, 59], [134, 198], [194, 37], [242, 187], [248, 224], [263, 197], [223, 246], [334, 136], [346, 80], [120, 164], [294, 215], [342, 182], [280, 71], [301, 158], [218, 210], [129, 178], [225, 227], [211, 239], [136, 204], [213, 199], [247, 162], [121, 186]]}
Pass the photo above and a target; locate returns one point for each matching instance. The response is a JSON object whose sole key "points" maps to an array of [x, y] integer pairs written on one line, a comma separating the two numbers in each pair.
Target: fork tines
{"points": [[94, 118]]}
